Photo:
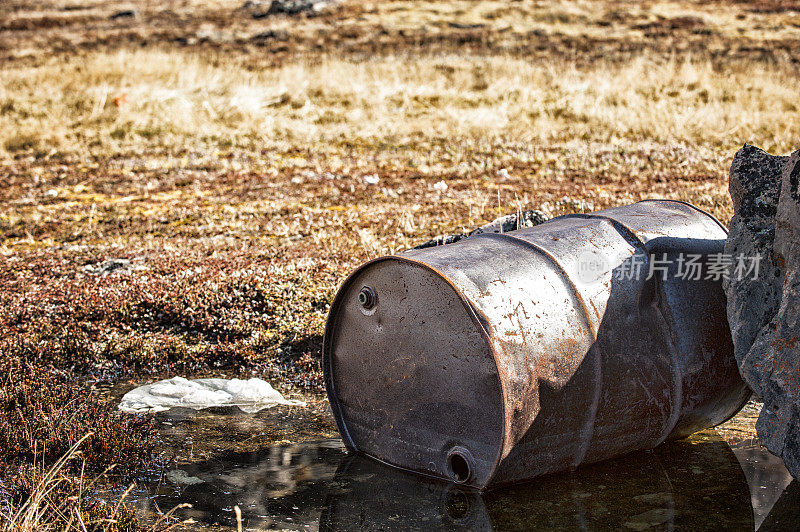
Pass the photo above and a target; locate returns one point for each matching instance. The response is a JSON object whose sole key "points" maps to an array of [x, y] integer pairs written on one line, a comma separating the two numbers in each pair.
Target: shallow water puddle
{"points": [[698, 483], [286, 469], [318, 486], [767, 479]]}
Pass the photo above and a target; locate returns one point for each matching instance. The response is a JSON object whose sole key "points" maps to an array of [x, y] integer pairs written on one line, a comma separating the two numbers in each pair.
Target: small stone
{"points": [[465, 26], [287, 7], [512, 222], [106, 267], [114, 266], [125, 13], [271, 35], [181, 477]]}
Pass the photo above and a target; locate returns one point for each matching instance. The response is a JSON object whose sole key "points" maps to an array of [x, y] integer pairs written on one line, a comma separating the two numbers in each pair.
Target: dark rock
{"points": [[503, 224], [114, 266], [271, 35], [126, 13], [780, 346], [755, 186], [286, 7], [292, 7], [462, 26], [511, 222], [764, 312], [785, 514], [441, 240]]}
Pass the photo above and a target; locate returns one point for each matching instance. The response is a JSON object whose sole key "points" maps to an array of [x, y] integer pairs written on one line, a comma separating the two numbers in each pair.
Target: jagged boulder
{"points": [[764, 305], [755, 187]]}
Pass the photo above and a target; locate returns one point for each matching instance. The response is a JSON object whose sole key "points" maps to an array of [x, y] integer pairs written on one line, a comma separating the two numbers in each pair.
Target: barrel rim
{"points": [[327, 359]]}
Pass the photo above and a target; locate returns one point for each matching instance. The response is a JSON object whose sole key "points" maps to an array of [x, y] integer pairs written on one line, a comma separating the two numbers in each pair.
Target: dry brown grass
{"points": [[244, 161], [126, 101], [56, 500], [579, 29]]}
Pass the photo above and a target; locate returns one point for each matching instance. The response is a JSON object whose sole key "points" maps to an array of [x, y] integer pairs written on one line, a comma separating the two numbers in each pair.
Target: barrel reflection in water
{"points": [[684, 485], [692, 484]]}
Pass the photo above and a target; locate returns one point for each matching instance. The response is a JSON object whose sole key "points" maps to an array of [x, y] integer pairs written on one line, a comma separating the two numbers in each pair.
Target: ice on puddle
{"points": [[252, 395]]}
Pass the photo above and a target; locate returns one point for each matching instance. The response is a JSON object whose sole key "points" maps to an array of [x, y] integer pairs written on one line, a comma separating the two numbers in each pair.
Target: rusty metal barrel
{"points": [[506, 356]]}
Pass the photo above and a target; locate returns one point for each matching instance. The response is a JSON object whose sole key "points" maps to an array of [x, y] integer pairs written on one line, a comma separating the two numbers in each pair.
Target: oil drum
{"points": [[506, 356]]}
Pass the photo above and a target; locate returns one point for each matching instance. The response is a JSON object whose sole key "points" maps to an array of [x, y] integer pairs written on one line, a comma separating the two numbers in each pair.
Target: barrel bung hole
{"points": [[367, 298], [459, 466]]}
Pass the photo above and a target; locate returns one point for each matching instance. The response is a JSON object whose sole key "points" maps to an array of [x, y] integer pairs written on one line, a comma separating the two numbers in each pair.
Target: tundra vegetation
{"points": [[185, 182]]}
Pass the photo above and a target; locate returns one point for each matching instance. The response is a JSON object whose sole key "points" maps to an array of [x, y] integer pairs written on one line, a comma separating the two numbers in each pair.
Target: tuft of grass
{"points": [[45, 498], [44, 416]]}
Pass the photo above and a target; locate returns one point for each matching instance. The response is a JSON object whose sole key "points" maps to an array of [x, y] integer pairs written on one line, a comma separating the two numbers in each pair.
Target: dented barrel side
{"points": [[502, 357]]}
